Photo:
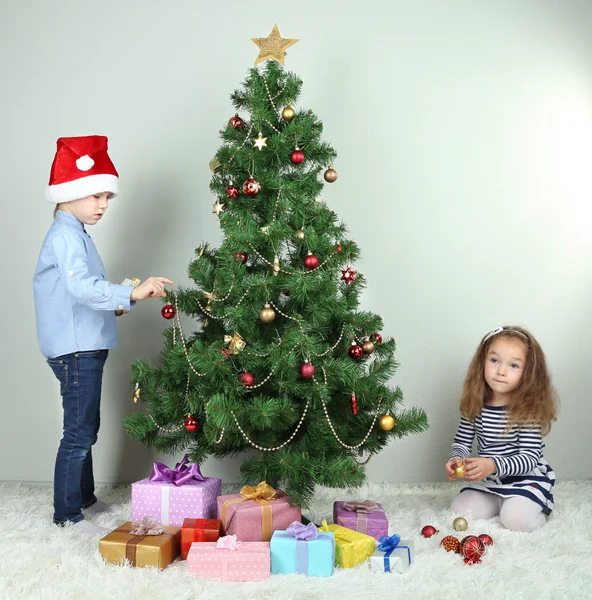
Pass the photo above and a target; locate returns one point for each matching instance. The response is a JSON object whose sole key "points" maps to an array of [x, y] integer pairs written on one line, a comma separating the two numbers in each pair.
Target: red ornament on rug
{"points": [[486, 539], [311, 261], [472, 548], [307, 370], [232, 192], [247, 379], [348, 275], [355, 351], [450, 544], [297, 157], [251, 187], [236, 122], [168, 311], [354, 405], [243, 257], [428, 531], [376, 338], [191, 424]]}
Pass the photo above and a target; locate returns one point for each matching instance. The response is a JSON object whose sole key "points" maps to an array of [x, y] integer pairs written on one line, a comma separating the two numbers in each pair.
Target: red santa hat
{"points": [[81, 168]]}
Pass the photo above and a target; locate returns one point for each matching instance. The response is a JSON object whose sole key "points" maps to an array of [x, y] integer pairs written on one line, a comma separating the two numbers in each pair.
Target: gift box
{"points": [[366, 517], [255, 513], [143, 543], [352, 547], [198, 530], [229, 560], [303, 549], [171, 495], [392, 554]]}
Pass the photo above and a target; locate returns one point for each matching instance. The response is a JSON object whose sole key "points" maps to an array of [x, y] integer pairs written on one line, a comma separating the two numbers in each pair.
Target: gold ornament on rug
{"points": [[260, 142], [368, 347], [460, 524], [288, 113], [236, 343], [276, 265], [218, 208], [330, 175], [460, 470], [273, 46], [136, 393], [267, 314], [386, 422]]}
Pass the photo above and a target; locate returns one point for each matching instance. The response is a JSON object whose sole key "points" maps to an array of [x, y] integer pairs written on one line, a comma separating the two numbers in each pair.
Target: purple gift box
{"points": [[171, 495], [366, 517]]}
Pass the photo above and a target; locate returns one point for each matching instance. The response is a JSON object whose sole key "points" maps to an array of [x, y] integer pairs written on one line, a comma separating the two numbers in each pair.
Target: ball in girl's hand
{"points": [[460, 471]]}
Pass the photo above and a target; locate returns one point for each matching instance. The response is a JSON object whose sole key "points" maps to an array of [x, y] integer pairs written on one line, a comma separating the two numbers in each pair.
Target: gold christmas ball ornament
{"points": [[288, 113], [137, 392], [330, 175], [215, 165], [460, 524], [299, 234], [460, 471], [386, 422], [368, 347], [267, 314]]}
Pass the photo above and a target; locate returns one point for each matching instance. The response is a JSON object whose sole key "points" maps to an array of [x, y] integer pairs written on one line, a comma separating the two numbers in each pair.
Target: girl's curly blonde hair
{"points": [[534, 402]]}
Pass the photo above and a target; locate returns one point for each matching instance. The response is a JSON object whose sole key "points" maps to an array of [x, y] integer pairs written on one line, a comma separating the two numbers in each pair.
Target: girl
{"points": [[509, 403], [75, 310]]}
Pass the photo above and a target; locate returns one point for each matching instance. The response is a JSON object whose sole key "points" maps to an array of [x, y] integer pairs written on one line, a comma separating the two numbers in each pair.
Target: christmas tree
{"points": [[285, 363]]}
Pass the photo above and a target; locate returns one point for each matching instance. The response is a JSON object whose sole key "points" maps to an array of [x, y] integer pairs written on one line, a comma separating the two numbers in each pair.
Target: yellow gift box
{"points": [[352, 547]]}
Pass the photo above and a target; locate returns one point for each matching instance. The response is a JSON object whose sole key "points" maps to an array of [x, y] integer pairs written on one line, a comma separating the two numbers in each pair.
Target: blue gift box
{"points": [[315, 558]]}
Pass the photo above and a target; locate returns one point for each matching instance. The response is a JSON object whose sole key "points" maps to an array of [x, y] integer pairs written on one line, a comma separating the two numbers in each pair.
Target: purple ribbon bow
{"points": [[302, 532], [182, 473], [366, 507]]}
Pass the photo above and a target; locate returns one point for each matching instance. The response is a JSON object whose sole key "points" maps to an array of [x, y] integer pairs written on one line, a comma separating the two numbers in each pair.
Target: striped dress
{"points": [[517, 454]]}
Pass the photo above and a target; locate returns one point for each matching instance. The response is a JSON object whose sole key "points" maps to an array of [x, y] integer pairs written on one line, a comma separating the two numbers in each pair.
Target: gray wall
{"points": [[464, 132]]}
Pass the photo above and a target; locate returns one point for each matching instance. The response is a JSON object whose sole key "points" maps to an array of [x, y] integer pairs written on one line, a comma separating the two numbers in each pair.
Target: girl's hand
{"points": [[153, 287], [479, 468], [449, 466]]}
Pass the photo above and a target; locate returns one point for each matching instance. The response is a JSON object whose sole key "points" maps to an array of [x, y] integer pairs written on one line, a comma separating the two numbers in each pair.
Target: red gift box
{"points": [[198, 530]]}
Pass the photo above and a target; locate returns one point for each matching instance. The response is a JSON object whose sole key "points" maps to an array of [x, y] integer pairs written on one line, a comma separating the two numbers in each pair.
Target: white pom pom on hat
{"points": [[81, 167]]}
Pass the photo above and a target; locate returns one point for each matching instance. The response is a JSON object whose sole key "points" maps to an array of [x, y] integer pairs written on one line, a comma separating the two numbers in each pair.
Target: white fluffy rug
{"points": [[39, 561]]}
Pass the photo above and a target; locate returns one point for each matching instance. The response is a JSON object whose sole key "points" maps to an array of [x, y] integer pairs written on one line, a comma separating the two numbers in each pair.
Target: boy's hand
{"points": [[453, 462], [479, 468], [153, 287], [118, 312]]}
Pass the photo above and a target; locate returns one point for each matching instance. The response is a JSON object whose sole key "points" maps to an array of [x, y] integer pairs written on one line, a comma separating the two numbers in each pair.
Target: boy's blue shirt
{"points": [[74, 303]]}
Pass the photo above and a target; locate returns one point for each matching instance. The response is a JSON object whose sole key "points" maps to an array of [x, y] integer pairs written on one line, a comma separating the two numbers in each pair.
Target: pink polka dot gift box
{"points": [[230, 560], [171, 495]]}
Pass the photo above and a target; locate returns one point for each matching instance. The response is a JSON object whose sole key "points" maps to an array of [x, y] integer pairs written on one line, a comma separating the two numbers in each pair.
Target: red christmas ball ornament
{"points": [[376, 338], [232, 192], [168, 311], [247, 378], [356, 351], [225, 353], [450, 544], [241, 256], [354, 405], [472, 548], [297, 157], [236, 122], [311, 261], [428, 531], [251, 187], [286, 293], [191, 423], [486, 539], [338, 247], [307, 370]]}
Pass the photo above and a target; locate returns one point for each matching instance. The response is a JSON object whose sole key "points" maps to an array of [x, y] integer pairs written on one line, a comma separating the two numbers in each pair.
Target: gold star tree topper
{"points": [[273, 46]]}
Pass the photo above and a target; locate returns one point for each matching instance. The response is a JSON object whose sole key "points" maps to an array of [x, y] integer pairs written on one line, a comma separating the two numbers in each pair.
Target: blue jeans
{"points": [[80, 375]]}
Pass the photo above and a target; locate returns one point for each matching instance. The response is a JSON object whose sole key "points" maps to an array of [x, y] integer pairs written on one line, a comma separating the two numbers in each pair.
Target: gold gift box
{"points": [[141, 550], [352, 547]]}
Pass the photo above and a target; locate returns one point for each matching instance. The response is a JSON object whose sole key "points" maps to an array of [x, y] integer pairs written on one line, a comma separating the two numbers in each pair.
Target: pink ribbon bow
{"points": [[361, 507], [228, 542], [147, 526]]}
